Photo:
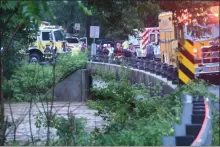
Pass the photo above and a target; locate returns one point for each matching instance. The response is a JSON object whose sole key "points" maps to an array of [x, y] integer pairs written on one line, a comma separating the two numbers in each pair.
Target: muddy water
{"points": [[21, 111]]}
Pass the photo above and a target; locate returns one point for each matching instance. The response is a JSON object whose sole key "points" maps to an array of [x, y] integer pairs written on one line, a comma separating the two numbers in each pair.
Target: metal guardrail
{"points": [[153, 66], [195, 128]]}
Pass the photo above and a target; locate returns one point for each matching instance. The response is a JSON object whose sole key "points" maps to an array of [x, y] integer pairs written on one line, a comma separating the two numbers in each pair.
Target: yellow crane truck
{"points": [[194, 58]]}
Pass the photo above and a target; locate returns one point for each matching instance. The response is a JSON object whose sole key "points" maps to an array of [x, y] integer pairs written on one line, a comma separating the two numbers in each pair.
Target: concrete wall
{"points": [[137, 76], [74, 88]]}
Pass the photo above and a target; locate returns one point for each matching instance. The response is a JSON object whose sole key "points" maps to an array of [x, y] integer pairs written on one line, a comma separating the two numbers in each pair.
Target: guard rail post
{"points": [[147, 63], [164, 68], [158, 69], [142, 64], [169, 72], [134, 62], [174, 75], [152, 67]]}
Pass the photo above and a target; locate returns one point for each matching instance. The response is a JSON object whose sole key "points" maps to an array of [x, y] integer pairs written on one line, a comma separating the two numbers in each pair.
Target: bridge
{"points": [[195, 127]]}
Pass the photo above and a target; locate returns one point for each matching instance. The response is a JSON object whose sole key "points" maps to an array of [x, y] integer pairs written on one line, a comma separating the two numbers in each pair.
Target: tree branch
{"points": [[14, 34], [6, 22]]}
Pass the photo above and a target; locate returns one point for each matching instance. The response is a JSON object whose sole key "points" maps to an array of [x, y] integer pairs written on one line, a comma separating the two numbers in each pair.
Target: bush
{"points": [[32, 81], [139, 121], [70, 130], [131, 120]]}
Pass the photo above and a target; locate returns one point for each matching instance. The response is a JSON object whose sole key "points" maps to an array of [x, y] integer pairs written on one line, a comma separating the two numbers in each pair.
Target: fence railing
{"points": [[195, 128], [153, 66]]}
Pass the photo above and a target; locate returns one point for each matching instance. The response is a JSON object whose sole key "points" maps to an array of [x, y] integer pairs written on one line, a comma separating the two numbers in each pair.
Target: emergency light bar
{"points": [[50, 27]]}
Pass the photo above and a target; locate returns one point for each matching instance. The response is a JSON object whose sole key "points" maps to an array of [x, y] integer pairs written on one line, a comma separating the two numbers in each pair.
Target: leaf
{"points": [[11, 5]]}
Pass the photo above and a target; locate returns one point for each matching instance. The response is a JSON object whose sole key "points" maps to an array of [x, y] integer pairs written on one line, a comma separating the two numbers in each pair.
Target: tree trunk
{"points": [[2, 128]]}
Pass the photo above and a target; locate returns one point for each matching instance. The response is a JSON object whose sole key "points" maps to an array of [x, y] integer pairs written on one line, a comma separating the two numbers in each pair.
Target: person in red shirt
{"points": [[118, 50], [83, 47]]}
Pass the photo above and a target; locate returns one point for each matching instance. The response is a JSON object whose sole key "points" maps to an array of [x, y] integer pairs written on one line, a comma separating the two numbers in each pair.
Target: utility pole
{"points": [[88, 21]]}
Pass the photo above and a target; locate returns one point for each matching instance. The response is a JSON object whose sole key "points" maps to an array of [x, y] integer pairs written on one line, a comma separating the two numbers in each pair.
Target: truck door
{"points": [[45, 39], [168, 43]]}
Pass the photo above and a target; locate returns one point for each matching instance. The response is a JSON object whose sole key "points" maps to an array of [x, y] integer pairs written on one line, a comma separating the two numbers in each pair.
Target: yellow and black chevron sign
{"points": [[186, 70]]}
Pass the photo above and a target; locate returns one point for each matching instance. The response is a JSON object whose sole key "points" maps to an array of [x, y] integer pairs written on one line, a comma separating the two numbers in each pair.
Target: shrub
{"points": [[32, 81], [134, 121]]}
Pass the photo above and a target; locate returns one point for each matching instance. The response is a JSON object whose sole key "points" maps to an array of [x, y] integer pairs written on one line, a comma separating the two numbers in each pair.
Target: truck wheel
{"points": [[34, 57]]}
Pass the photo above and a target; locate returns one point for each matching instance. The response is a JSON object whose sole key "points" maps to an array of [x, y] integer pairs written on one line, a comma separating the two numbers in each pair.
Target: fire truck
{"points": [[142, 38], [193, 51], [46, 35]]}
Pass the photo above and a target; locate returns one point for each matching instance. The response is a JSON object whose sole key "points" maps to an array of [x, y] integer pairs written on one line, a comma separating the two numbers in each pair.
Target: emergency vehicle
{"points": [[142, 38], [45, 36], [48, 34], [75, 44], [188, 47]]}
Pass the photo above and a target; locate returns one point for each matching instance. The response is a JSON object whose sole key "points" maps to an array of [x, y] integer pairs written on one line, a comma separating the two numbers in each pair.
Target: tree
{"points": [[118, 18], [16, 17], [195, 9], [67, 13]]}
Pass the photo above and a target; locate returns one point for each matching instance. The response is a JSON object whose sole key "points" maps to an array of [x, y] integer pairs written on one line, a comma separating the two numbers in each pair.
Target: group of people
{"points": [[125, 49], [53, 48]]}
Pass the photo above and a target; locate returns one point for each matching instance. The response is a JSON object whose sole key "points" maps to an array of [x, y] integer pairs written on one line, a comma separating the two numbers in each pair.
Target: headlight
{"points": [[195, 50]]}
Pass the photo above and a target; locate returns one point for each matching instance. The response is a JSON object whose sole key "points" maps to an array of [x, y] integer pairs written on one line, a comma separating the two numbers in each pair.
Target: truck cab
{"points": [[45, 37], [190, 48]]}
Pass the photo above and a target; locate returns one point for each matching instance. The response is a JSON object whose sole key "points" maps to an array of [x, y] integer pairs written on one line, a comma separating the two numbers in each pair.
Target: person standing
{"points": [[111, 50], [64, 47], [150, 52], [125, 46], [99, 50], [83, 47], [53, 48], [133, 50], [118, 50], [105, 51]]}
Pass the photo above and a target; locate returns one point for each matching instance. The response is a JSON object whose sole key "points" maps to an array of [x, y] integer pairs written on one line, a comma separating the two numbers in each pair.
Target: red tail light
{"points": [[200, 65]]}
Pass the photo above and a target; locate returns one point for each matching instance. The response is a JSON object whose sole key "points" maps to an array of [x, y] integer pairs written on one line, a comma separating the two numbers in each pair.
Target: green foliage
{"points": [[70, 130], [19, 20], [85, 9], [132, 120], [198, 88], [27, 80], [144, 120], [68, 63], [118, 18], [32, 81], [67, 13], [216, 128]]}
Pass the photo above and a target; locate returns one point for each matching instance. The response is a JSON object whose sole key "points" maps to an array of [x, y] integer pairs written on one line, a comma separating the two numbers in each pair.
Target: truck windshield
{"points": [[59, 35]]}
